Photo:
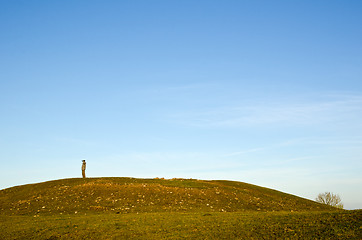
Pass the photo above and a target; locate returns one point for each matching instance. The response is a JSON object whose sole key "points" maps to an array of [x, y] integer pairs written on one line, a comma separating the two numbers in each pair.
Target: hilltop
{"points": [[132, 195]]}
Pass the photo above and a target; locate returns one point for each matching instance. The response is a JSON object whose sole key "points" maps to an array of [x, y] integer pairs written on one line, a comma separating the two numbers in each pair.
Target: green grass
{"points": [[247, 225], [129, 208], [130, 195]]}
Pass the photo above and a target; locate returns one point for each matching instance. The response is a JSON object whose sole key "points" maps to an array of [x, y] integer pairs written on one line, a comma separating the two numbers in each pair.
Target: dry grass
{"points": [[129, 195], [129, 208]]}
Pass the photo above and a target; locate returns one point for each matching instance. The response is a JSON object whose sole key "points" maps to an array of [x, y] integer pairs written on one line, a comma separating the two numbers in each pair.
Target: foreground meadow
{"points": [[131, 208], [236, 225]]}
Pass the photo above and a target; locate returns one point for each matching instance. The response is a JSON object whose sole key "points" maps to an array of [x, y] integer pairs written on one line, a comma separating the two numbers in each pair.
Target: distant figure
{"points": [[83, 168]]}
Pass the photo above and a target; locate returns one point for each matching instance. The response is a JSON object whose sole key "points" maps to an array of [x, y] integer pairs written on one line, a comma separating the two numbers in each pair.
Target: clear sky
{"points": [[264, 92]]}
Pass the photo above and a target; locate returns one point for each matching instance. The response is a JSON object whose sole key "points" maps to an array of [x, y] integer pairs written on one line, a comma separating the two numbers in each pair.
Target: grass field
{"points": [[128, 208], [131, 195], [249, 225]]}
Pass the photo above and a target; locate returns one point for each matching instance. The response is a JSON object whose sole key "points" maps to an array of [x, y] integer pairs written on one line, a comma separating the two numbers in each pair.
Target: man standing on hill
{"points": [[83, 168]]}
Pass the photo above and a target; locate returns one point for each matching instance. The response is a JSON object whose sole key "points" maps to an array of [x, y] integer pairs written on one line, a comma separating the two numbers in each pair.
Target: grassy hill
{"points": [[127, 195], [129, 208]]}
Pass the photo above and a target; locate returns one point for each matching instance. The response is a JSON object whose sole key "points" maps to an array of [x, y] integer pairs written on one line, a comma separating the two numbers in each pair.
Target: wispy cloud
{"points": [[244, 152], [333, 110], [264, 148]]}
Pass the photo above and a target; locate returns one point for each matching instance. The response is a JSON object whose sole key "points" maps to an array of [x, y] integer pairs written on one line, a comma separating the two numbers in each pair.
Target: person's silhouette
{"points": [[83, 168]]}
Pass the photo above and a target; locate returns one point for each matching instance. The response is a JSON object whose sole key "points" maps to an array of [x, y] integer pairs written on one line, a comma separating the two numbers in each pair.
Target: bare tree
{"points": [[330, 199]]}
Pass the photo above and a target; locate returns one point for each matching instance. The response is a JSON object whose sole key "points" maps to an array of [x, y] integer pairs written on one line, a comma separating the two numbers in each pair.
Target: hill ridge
{"points": [[127, 195]]}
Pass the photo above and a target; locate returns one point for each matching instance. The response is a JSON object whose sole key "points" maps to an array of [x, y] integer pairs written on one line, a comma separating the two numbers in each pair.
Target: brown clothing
{"points": [[83, 169]]}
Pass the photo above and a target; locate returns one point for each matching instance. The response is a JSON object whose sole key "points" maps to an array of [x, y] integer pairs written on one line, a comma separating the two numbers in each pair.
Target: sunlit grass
{"points": [[130, 195], [247, 225], [129, 208]]}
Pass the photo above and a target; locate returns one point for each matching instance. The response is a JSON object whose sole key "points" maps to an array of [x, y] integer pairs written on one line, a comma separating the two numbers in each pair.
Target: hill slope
{"points": [[125, 195]]}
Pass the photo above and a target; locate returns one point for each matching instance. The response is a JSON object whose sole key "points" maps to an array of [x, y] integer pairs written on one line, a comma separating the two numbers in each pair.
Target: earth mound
{"points": [[126, 195]]}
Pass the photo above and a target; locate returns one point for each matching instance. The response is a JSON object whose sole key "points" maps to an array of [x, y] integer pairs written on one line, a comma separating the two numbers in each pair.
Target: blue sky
{"points": [[264, 92]]}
